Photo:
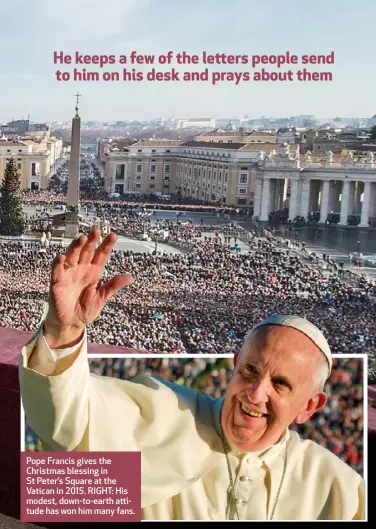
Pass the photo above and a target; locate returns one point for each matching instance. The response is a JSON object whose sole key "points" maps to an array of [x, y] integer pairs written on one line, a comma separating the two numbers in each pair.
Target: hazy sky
{"points": [[32, 30]]}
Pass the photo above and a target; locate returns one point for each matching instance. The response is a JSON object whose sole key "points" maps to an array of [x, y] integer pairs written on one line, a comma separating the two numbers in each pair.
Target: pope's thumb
{"points": [[110, 288]]}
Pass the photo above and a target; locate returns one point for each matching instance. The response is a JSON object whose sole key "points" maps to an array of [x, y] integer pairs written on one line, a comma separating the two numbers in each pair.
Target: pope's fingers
{"points": [[57, 268], [104, 249], [87, 251], [73, 253], [109, 289]]}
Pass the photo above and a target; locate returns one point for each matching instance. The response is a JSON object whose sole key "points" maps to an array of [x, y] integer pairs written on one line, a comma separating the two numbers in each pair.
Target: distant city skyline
{"points": [[246, 27], [168, 119]]}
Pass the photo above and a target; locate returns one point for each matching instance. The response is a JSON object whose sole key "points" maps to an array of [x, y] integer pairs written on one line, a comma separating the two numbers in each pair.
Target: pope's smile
{"points": [[250, 414]]}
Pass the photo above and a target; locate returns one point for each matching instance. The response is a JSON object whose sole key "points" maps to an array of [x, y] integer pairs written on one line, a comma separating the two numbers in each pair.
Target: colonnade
{"points": [[302, 195]]}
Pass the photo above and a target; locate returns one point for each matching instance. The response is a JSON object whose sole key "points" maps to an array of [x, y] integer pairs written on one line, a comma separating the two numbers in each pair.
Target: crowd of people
{"points": [[202, 300], [50, 198], [338, 426]]}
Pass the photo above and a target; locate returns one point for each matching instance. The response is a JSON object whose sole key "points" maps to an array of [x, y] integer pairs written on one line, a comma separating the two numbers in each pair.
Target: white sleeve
{"points": [[57, 354], [46, 361]]}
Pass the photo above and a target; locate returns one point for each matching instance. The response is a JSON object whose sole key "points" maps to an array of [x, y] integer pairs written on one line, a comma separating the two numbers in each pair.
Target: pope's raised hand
{"points": [[77, 296]]}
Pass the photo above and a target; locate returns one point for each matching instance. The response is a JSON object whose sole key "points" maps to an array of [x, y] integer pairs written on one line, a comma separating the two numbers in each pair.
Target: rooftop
{"points": [[157, 143], [266, 146], [255, 133], [214, 145], [234, 133], [4, 143]]}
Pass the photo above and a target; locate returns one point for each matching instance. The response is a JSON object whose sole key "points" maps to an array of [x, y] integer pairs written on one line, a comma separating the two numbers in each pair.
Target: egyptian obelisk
{"points": [[73, 196]]}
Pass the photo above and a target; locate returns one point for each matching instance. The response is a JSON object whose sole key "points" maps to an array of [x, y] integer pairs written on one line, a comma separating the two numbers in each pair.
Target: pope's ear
{"points": [[314, 404], [236, 358]]}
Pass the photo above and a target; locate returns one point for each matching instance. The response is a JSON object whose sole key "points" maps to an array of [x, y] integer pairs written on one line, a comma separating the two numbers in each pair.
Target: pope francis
{"points": [[202, 458]]}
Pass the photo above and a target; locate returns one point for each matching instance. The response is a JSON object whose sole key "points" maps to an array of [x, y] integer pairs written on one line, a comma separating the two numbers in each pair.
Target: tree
{"points": [[373, 133], [12, 217]]}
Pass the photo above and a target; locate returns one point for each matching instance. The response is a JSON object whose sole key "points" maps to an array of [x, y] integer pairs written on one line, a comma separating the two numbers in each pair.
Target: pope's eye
{"points": [[249, 368], [281, 383]]}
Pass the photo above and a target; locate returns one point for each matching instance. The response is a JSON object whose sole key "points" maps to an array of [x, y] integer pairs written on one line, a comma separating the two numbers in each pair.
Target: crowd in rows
{"points": [[201, 301], [338, 426], [51, 198]]}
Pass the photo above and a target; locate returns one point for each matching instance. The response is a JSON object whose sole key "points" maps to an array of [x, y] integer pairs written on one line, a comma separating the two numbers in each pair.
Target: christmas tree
{"points": [[12, 217]]}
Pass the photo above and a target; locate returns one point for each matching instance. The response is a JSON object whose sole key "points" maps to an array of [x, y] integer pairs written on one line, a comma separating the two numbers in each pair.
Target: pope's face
{"points": [[272, 386]]}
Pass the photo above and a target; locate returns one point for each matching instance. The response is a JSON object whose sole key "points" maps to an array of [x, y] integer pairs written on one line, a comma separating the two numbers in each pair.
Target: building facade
{"points": [[289, 136], [325, 185], [206, 171], [22, 127], [145, 167], [36, 160]]}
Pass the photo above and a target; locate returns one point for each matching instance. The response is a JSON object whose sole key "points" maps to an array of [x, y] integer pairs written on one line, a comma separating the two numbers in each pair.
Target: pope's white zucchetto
{"points": [[304, 326]]}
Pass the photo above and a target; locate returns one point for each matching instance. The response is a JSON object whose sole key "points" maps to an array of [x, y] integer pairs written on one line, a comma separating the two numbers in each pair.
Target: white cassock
{"points": [[184, 467]]}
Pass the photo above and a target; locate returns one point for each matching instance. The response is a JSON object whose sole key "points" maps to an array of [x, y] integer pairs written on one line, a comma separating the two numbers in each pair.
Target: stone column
{"points": [[334, 192], [345, 203], [286, 184], [265, 201], [359, 189], [282, 194], [73, 195], [372, 210], [304, 198], [278, 195], [352, 198], [364, 215], [274, 191], [258, 198], [314, 196], [324, 206], [293, 202], [272, 188]]}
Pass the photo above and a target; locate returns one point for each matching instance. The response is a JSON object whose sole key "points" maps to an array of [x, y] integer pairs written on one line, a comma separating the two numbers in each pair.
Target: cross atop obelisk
{"points": [[73, 196], [76, 108]]}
